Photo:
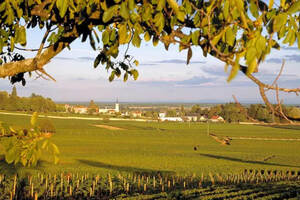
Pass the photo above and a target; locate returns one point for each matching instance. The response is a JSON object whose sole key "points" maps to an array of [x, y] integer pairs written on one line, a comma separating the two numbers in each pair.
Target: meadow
{"points": [[162, 148]]}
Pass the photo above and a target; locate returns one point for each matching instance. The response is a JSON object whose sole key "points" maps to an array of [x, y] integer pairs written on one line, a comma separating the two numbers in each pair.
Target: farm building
{"points": [[217, 118], [173, 119], [80, 109]]}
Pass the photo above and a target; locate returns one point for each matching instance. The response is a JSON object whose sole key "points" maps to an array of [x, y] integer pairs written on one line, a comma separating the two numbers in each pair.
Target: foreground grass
{"points": [[162, 148]]}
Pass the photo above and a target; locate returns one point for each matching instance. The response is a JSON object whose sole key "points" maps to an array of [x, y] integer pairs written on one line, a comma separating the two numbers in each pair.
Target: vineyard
{"points": [[251, 184], [151, 160]]}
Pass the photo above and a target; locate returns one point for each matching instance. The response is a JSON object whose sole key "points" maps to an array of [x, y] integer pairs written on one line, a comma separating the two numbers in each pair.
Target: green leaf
{"points": [[234, 71], [136, 40], [62, 6], [55, 148], [250, 55], [254, 8], [298, 38], [260, 45], [56, 159], [22, 39], [125, 77], [124, 11], [131, 4], [252, 66], [122, 33], [105, 37], [112, 76], [10, 155], [147, 36], [226, 9], [34, 119], [294, 8], [230, 36], [136, 62], [160, 5], [279, 21], [97, 60], [271, 2], [135, 74], [109, 13], [195, 37]]}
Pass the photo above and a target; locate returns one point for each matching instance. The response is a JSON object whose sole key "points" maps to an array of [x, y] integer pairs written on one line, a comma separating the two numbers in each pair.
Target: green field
{"points": [[165, 148]]}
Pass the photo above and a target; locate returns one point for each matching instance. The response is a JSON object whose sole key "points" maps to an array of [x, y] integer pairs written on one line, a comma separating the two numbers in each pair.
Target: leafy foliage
{"points": [[26, 146], [34, 103], [232, 31], [46, 126]]}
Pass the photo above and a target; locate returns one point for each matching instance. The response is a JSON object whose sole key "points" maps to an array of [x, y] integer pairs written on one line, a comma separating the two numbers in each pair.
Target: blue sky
{"points": [[164, 76]]}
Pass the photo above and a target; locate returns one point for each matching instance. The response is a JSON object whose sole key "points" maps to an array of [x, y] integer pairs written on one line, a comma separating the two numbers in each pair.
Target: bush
{"points": [[46, 126]]}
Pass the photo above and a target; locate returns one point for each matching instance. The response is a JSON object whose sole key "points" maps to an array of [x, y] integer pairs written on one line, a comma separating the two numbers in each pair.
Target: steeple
{"points": [[117, 106]]}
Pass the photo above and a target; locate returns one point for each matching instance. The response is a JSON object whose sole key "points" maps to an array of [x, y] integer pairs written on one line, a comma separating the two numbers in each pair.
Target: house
{"points": [[191, 118], [111, 110], [80, 109], [162, 115], [173, 119], [203, 118], [217, 118], [136, 114]]}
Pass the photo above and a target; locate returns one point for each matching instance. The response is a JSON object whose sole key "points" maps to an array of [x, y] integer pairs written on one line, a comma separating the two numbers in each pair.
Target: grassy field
{"points": [[166, 148]]}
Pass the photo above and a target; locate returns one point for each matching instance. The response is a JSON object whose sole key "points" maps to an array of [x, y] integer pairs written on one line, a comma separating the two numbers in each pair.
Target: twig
{"points": [[280, 107]]}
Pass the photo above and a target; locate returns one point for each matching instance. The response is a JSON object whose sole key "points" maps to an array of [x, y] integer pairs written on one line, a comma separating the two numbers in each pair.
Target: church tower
{"points": [[117, 106]]}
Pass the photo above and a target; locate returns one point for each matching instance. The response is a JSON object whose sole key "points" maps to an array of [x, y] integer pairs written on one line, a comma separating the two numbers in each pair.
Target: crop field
{"points": [[162, 148]]}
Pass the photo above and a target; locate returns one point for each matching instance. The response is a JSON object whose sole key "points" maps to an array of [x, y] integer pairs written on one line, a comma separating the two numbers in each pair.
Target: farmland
{"points": [[165, 148]]}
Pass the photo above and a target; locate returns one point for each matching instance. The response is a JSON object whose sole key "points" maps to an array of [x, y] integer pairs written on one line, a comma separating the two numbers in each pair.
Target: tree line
{"points": [[34, 103], [233, 112]]}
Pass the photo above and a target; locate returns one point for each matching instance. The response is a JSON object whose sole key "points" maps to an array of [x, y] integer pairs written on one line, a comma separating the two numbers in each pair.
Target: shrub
{"points": [[46, 126]]}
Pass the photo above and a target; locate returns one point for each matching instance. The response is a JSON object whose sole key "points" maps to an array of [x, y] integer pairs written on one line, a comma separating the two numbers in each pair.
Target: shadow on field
{"points": [[6, 168], [245, 161], [125, 168], [11, 169]]}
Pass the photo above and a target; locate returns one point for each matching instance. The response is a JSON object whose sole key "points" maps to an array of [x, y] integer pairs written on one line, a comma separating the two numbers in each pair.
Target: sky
{"points": [[163, 76]]}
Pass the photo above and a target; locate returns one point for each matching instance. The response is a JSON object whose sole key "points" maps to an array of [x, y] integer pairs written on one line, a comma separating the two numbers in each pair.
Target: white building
{"points": [[111, 110], [203, 119], [192, 118], [172, 119], [162, 115], [80, 109]]}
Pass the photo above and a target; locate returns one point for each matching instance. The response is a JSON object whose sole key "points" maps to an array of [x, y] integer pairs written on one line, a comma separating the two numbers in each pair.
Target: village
{"points": [[171, 114]]}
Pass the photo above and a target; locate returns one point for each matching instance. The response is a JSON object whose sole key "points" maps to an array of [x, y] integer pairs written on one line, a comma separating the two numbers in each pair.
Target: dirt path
{"points": [[81, 118], [109, 127]]}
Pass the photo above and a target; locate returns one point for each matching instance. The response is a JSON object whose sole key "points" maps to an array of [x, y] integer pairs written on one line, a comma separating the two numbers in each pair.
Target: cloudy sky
{"points": [[164, 77]]}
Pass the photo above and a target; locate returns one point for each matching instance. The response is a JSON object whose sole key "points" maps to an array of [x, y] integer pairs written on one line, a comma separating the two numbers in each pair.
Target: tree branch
{"points": [[37, 63]]}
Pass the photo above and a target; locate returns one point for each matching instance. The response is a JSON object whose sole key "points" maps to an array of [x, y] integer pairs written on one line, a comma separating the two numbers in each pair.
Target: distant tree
{"points": [[293, 113], [92, 108], [14, 92], [171, 113], [232, 113], [46, 126], [196, 109], [216, 110], [182, 111]]}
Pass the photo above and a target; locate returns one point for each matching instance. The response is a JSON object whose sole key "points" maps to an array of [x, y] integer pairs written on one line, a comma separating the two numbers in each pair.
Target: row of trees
{"points": [[34, 103], [232, 112]]}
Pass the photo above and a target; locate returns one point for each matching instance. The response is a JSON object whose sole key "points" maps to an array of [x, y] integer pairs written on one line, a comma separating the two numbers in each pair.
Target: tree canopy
{"points": [[241, 33]]}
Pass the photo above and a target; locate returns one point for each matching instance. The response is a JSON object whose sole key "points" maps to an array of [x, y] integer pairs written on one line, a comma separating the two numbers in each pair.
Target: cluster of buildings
{"points": [[80, 109], [216, 118], [95, 109]]}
